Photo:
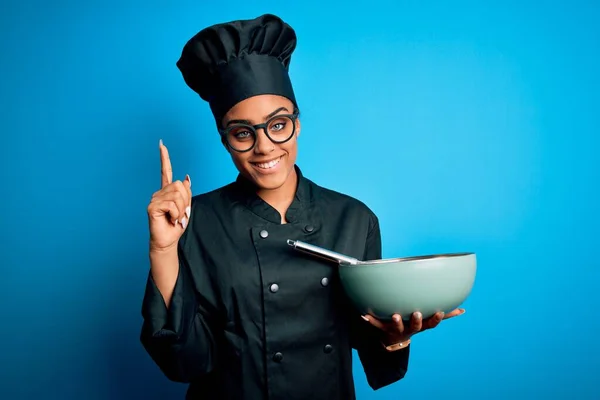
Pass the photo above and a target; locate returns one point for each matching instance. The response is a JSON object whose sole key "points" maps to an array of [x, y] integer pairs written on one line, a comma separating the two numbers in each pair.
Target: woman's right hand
{"points": [[170, 208]]}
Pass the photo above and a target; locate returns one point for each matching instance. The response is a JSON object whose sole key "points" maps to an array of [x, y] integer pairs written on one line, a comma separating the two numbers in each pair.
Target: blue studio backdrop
{"points": [[465, 126]]}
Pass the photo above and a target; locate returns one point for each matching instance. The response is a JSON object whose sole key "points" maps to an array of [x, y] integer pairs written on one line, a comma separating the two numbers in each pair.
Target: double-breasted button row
{"points": [[278, 357], [265, 233], [274, 288]]}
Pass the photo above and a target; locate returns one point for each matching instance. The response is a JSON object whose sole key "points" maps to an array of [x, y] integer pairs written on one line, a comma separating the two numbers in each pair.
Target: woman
{"points": [[229, 306]]}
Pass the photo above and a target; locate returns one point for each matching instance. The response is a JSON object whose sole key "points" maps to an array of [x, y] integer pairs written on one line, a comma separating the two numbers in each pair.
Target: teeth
{"points": [[269, 165]]}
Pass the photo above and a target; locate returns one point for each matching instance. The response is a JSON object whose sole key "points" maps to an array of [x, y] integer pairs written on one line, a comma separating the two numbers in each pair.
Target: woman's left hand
{"points": [[396, 331]]}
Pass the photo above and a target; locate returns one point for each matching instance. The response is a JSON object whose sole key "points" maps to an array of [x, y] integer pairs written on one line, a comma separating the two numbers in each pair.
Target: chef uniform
{"points": [[250, 317]]}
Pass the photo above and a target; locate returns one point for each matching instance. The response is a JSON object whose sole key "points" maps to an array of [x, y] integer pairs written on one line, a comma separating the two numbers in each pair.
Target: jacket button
{"points": [[264, 234], [328, 348], [277, 357], [325, 281], [309, 228], [274, 288]]}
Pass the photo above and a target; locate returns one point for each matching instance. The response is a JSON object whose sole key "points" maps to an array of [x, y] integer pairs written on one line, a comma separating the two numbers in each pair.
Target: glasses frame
{"points": [[264, 126]]}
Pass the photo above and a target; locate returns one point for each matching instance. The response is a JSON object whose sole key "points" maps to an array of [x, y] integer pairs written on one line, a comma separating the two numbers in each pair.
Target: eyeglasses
{"points": [[242, 137]]}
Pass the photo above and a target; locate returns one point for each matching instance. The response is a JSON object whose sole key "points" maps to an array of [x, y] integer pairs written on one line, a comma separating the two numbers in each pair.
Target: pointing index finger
{"points": [[165, 165]]}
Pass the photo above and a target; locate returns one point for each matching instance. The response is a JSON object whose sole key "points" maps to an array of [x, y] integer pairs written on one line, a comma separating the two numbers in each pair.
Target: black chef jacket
{"points": [[252, 318]]}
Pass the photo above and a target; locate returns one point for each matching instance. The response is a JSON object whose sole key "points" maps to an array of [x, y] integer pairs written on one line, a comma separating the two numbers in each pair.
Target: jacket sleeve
{"points": [[181, 339], [381, 367]]}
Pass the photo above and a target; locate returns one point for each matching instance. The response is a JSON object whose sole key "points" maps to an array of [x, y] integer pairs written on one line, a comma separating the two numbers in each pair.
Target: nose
{"points": [[263, 143]]}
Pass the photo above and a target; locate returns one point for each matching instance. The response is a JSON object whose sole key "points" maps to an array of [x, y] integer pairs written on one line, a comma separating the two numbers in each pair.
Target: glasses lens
{"points": [[281, 129], [241, 137]]}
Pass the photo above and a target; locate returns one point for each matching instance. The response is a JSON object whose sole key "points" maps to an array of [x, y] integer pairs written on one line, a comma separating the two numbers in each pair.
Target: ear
{"points": [[298, 126]]}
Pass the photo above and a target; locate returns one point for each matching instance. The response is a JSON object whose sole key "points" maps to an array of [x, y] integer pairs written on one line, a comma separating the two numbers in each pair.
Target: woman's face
{"points": [[268, 164]]}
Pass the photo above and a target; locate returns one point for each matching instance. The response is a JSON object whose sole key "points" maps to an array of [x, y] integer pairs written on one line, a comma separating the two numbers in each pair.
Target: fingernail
{"points": [[160, 143], [418, 314], [189, 179], [442, 315], [188, 211], [365, 318], [184, 222], [396, 318], [176, 221]]}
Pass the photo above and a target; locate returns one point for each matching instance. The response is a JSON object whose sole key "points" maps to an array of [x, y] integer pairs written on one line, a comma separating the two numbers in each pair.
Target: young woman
{"points": [[229, 307]]}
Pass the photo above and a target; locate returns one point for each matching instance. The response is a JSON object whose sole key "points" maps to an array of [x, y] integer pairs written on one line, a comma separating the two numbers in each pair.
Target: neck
{"points": [[283, 196]]}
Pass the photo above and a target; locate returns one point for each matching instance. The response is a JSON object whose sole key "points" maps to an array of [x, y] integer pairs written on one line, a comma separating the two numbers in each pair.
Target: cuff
{"points": [[172, 321]]}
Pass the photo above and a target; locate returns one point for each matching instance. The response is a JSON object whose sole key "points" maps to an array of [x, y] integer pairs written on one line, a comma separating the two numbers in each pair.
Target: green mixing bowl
{"points": [[382, 288]]}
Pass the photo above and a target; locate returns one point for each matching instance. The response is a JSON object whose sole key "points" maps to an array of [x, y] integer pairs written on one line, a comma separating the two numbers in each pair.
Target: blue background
{"points": [[466, 127]]}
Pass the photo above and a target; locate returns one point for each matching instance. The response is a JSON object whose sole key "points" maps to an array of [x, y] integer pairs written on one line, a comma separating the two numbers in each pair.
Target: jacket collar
{"points": [[296, 211]]}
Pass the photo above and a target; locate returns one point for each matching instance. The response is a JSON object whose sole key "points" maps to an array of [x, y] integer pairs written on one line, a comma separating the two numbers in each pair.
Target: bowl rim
{"points": [[409, 258]]}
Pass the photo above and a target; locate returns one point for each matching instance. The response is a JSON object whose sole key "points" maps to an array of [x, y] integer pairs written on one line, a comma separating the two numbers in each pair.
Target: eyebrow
{"points": [[266, 117]]}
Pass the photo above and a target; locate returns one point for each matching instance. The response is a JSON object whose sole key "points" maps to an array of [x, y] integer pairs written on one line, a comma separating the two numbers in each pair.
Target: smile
{"points": [[268, 165]]}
